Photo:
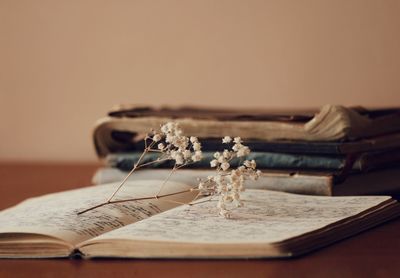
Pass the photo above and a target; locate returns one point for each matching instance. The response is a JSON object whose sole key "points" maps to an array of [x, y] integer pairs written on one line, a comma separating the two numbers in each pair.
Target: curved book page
{"points": [[37, 223], [270, 224]]}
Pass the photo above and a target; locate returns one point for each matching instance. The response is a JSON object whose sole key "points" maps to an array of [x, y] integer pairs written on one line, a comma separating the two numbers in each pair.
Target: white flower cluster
{"points": [[228, 183], [174, 145]]}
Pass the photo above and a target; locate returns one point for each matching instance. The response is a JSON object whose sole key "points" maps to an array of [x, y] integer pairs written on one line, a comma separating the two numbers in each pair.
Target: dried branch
{"points": [[159, 197]]}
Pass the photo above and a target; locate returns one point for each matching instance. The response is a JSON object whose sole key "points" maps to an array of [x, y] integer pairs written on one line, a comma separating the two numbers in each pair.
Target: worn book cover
{"points": [[332, 123]]}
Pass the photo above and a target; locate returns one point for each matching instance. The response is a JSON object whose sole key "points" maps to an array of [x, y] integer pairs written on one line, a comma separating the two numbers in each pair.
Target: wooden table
{"points": [[375, 253]]}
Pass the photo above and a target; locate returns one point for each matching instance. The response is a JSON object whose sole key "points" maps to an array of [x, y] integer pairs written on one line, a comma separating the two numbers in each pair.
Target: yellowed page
{"points": [[267, 217], [56, 214]]}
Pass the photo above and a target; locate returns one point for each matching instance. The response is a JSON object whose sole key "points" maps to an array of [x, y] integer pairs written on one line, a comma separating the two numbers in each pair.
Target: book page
{"points": [[56, 214], [266, 217]]}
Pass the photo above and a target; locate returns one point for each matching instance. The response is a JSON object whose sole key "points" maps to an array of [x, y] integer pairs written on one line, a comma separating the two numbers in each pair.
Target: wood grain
{"points": [[371, 254]]}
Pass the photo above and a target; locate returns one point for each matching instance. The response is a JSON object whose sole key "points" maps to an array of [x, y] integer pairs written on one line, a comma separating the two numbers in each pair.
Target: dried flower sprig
{"points": [[228, 183], [171, 144]]}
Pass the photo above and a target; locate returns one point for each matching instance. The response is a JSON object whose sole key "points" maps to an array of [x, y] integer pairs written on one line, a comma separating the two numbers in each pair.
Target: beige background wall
{"points": [[64, 63]]}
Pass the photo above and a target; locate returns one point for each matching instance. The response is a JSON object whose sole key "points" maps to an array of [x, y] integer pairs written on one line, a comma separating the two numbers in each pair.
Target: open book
{"points": [[270, 224]]}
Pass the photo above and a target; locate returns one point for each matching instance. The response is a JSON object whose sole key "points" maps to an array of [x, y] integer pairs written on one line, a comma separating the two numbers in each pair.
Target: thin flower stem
{"points": [[155, 151], [130, 173], [195, 198], [165, 181], [138, 199], [169, 176], [204, 201], [151, 162]]}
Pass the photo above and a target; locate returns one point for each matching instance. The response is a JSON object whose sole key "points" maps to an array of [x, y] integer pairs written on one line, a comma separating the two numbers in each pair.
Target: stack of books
{"points": [[334, 151], [331, 151]]}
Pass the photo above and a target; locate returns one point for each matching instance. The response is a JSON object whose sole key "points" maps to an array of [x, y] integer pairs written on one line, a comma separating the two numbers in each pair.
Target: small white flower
{"points": [[213, 163], [157, 137], [197, 156], [179, 159], [169, 138], [226, 183], [250, 164], [181, 143], [171, 126], [164, 129], [178, 132], [161, 146], [225, 166], [237, 147], [243, 151], [226, 154], [226, 140], [196, 146], [187, 154], [241, 169], [193, 139]]}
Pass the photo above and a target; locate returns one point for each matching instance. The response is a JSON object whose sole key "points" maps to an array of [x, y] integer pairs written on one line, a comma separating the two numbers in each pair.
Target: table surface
{"points": [[374, 253]]}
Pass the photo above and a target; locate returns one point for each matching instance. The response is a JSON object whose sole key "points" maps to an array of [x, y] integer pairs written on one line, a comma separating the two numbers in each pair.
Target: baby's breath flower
{"points": [[161, 146], [226, 154], [169, 138], [164, 129], [157, 137], [243, 151], [187, 154], [213, 163], [226, 140], [250, 164], [228, 183], [197, 156], [175, 146], [225, 166], [171, 144], [170, 126], [237, 140], [179, 159], [196, 146]]}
